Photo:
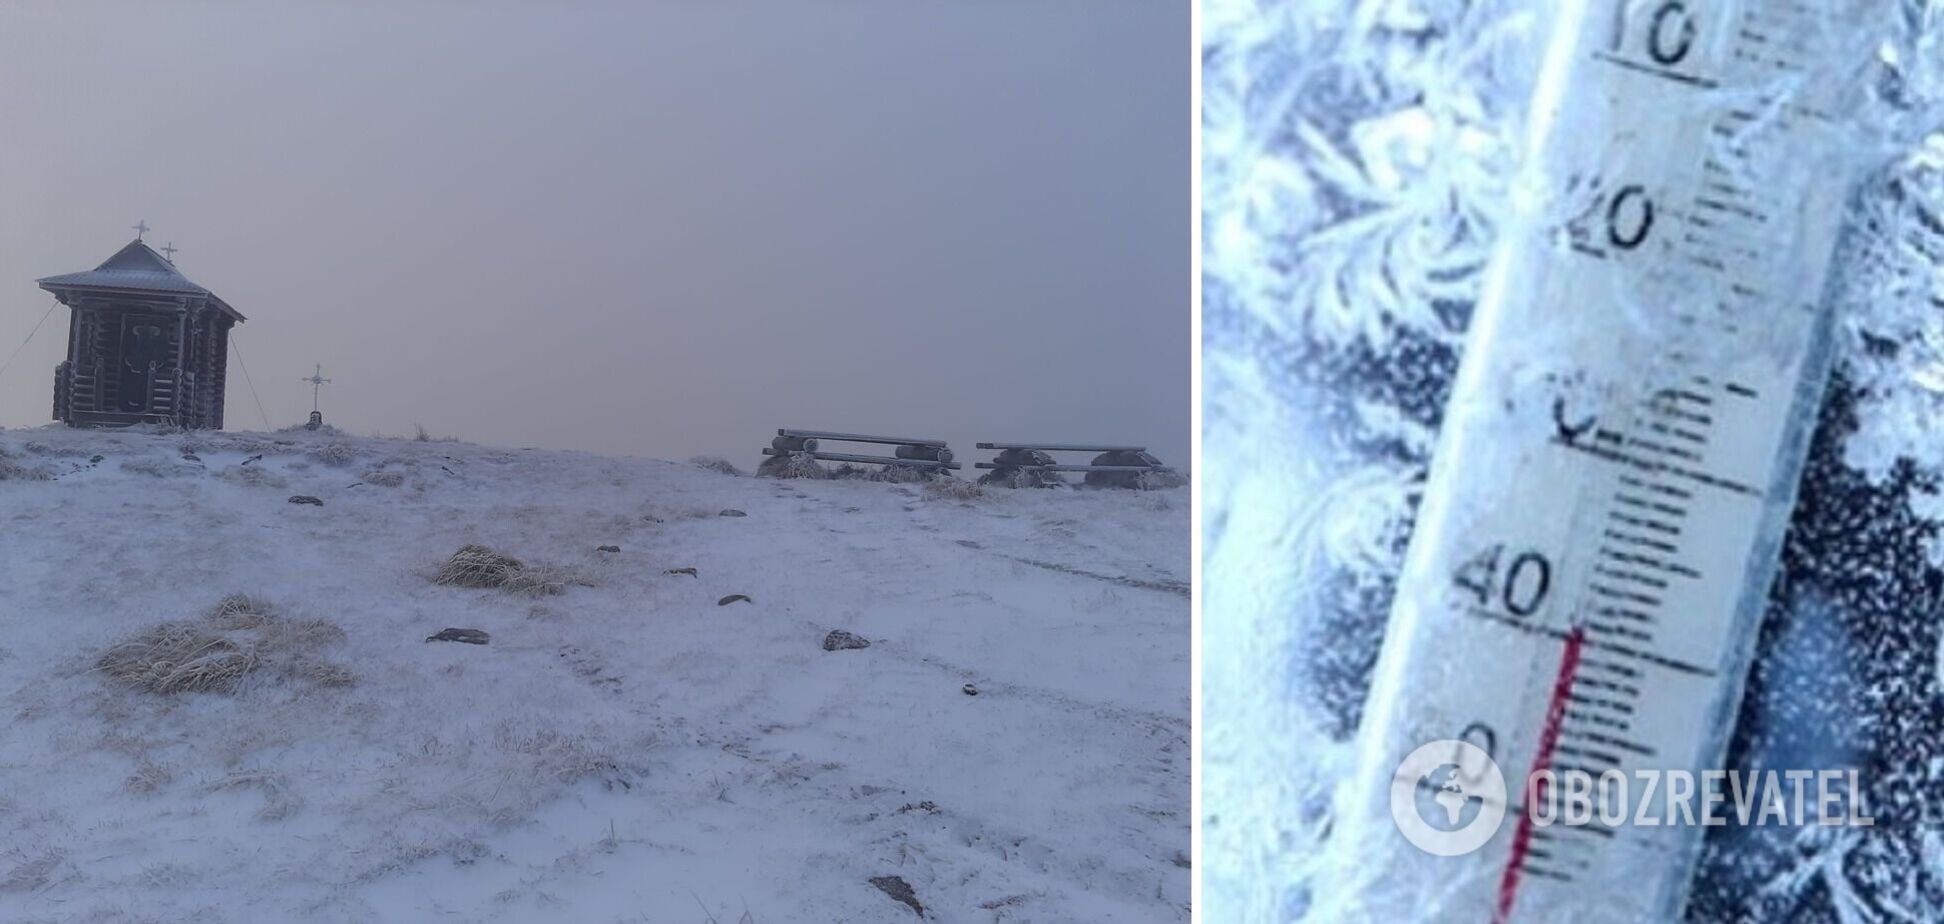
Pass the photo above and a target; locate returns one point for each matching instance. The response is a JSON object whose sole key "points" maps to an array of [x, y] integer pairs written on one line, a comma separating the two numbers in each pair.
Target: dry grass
{"points": [[13, 471], [335, 455], [166, 875], [794, 465], [566, 758], [384, 479], [894, 474], [148, 777], [239, 611], [716, 464], [535, 582], [252, 476], [953, 489], [160, 468], [32, 872], [279, 802], [179, 657], [42, 449], [239, 637], [1160, 481], [1023, 478], [325, 674], [478, 566], [804, 465]]}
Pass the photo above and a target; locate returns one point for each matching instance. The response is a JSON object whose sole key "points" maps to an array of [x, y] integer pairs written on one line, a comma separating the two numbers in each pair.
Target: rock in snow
{"points": [[839, 640], [897, 888], [469, 636]]}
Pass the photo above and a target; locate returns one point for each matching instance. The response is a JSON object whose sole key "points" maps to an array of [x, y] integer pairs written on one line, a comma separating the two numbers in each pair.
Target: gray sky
{"points": [[657, 229]]}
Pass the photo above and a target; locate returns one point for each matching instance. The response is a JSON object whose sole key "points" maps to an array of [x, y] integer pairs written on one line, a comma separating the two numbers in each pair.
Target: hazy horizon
{"points": [[658, 230]]}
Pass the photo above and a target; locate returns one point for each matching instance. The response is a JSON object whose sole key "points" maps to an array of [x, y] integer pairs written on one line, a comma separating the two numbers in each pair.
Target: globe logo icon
{"points": [[1448, 798], [1442, 801]]}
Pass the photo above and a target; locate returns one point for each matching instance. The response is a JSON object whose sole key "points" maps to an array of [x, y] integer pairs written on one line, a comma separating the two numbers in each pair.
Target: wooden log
{"points": [[794, 444], [1018, 457], [1062, 447], [1127, 457], [923, 453], [859, 438], [870, 460], [1076, 468]]}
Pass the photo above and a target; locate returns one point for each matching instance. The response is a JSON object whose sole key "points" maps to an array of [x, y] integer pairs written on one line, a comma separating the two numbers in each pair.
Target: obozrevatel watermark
{"points": [[1449, 798]]}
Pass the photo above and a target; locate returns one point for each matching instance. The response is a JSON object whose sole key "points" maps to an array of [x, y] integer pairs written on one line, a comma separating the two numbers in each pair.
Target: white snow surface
{"points": [[627, 750]]}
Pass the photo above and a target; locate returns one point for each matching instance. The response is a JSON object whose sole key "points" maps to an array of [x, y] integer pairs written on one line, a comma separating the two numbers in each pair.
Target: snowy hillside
{"points": [[1013, 744]]}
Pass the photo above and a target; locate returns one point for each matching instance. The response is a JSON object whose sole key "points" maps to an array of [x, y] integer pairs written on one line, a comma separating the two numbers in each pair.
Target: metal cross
{"points": [[140, 227], [316, 380], [169, 251]]}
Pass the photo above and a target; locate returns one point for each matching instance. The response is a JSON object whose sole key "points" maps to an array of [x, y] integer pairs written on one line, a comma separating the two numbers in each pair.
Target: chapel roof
{"points": [[135, 268]]}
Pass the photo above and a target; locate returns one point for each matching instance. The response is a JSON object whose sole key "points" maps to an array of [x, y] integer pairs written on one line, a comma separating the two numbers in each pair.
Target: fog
{"points": [[653, 229]]}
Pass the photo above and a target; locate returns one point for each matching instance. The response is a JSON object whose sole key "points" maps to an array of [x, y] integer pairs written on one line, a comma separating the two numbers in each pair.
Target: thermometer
{"points": [[1606, 506]]}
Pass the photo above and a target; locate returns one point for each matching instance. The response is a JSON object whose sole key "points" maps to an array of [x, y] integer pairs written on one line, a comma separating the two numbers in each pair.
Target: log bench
{"points": [[930, 455], [1033, 464]]}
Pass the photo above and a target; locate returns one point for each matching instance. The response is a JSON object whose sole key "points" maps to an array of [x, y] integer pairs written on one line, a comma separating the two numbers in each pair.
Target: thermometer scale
{"points": [[1621, 453]]}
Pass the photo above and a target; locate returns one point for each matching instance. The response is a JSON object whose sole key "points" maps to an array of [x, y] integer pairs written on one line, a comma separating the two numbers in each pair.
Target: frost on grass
{"points": [[536, 582], [279, 800], [893, 474], [384, 478], [479, 566], [31, 871], [1023, 478], [12, 470], [58, 452], [953, 489], [176, 657], [148, 777], [239, 639], [805, 465], [252, 477], [715, 464], [490, 776], [794, 465], [335, 455], [240, 611], [1160, 481], [156, 467]]}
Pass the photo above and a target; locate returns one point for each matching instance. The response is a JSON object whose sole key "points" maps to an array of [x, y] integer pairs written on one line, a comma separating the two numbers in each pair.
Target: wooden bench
{"points": [[907, 452], [1033, 464]]}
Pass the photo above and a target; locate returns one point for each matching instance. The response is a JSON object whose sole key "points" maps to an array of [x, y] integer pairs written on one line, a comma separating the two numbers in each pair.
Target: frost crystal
{"points": [[1357, 160]]}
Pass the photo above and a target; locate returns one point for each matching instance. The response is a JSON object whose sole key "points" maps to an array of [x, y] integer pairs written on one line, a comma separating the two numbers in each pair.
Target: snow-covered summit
{"points": [[1013, 745]]}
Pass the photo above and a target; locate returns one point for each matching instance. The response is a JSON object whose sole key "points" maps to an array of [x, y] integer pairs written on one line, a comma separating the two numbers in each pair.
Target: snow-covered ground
{"points": [[626, 750]]}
